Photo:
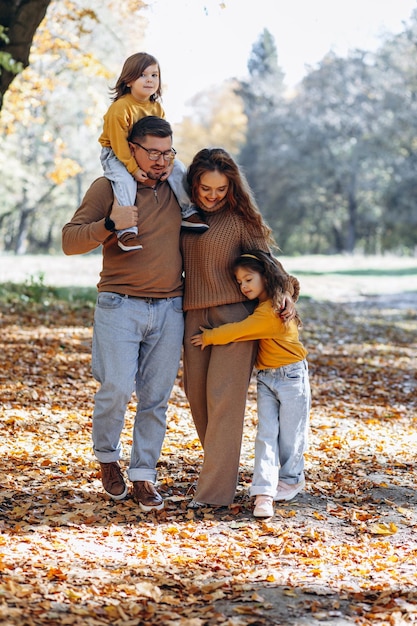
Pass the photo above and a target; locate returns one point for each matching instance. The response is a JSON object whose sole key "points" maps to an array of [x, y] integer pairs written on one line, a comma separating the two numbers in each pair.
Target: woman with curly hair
{"points": [[216, 380], [282, 380]]}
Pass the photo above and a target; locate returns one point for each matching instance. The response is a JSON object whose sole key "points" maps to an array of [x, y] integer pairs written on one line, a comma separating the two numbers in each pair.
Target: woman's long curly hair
{"points": [[133, 68], [239, 196], [275, 280]]}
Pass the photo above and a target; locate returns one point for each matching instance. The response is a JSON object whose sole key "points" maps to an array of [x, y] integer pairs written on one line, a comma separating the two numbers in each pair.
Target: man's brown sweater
{"points": [[155, 271]]}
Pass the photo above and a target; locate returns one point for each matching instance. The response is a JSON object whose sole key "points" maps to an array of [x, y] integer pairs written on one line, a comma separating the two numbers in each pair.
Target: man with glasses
{"points": [[138, 320]]}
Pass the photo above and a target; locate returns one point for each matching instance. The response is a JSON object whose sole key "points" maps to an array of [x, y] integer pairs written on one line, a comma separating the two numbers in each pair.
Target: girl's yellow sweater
{"points": [[118, 122], [279, 343]]}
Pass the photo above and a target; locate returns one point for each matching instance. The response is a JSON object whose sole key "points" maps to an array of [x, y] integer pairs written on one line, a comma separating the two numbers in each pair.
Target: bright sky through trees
{"points": [[200, 43]]}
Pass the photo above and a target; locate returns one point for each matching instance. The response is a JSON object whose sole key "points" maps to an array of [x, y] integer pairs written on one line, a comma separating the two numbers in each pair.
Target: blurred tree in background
{"points": [[52, 117], [18, 23], [332, 163], [218, 120]]}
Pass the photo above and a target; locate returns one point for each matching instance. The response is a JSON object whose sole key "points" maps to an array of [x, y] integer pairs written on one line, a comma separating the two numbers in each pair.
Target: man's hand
{"points": [[124, 216]]}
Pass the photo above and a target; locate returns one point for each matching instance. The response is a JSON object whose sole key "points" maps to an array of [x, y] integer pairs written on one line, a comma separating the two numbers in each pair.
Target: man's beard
{"points": [[153, 176]]}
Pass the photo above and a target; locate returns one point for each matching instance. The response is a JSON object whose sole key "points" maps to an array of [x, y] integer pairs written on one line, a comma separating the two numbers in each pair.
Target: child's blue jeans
{"points": [[284, 402]]}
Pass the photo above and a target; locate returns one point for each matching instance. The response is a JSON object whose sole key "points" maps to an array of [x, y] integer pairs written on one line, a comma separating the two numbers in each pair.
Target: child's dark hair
{"points": [[132, 69], [275, 280]]}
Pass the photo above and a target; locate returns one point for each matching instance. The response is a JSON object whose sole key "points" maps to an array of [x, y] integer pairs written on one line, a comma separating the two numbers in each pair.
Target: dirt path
{"points": [[362, 495], [343, 552]]}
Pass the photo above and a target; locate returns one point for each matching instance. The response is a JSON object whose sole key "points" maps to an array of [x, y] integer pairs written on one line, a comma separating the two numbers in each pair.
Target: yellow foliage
{"points": [[64, 168], [218, 120], [90, 66], [56, 53]]}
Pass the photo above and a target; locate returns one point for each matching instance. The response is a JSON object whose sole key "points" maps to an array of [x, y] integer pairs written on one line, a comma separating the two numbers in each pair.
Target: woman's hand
{"points": [[288, 308]]}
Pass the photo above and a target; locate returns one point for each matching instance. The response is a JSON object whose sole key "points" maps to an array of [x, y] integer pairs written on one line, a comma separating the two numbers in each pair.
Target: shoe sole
{"points": [[195, 227], [262, 515], [129, 248], [122, 496], [145, 508]]}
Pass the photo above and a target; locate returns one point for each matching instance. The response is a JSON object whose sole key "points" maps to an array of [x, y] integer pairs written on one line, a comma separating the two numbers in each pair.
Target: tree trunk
{"points": [[352, 205], [352, 213], [20, 18], [22, 235]]}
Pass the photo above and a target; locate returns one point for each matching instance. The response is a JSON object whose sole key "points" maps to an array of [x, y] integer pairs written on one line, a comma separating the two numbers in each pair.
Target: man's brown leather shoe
{"points": [[113, 481], [145, 494]]}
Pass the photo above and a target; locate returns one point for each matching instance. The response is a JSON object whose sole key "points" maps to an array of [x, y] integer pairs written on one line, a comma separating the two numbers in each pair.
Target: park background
{"points": [[328, 146], [330, 152]]}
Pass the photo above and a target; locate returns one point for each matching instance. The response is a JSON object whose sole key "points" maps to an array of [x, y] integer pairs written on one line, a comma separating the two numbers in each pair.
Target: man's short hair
{"points": [[150, 125]]}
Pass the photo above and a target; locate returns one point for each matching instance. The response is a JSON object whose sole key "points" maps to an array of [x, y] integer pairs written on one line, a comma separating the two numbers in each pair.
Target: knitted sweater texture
{"points": [[208, 260], [153, 272]]}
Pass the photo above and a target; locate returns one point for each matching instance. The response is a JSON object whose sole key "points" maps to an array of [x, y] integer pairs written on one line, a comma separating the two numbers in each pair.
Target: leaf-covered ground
{"points": [[343, 552]]}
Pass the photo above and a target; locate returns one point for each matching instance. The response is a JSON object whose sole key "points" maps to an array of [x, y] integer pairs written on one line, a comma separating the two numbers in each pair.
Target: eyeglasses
{"points": [[155, 155]]}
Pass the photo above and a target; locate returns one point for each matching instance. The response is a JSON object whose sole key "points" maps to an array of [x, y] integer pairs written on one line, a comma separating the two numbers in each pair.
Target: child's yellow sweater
{"points": [[118, 122], [279, 343]]}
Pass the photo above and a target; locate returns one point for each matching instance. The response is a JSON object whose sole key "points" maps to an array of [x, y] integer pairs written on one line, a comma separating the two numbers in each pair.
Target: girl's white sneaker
{"points": [[288, 492], [264, 506]]}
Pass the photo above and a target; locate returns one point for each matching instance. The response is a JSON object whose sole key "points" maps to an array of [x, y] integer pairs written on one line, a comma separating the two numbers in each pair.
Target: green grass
{"points": [[407, 271], [49, 280], [35, 291]]}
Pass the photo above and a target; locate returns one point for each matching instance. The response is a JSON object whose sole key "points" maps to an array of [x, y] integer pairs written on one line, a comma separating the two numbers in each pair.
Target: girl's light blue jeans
{"points": [[136, 347], [125, 186], [284, 402]]}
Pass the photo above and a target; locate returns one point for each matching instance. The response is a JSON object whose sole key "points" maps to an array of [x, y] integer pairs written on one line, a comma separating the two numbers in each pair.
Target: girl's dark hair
{"points": [[239, 196], [132, 69], [275, 279]]}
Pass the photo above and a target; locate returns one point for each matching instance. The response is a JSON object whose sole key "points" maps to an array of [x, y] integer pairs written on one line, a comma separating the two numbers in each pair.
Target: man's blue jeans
{"points": [[283, 419], [136, 346]]}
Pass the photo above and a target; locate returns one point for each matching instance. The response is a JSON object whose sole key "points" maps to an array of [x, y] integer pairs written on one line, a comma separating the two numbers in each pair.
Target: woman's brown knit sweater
{"points": [[208, 260]]}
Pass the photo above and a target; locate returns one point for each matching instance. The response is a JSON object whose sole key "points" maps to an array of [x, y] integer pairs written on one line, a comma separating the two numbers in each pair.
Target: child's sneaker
{"points": [[129, 241], [288, 492], [194, 223], [264, 506]]}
